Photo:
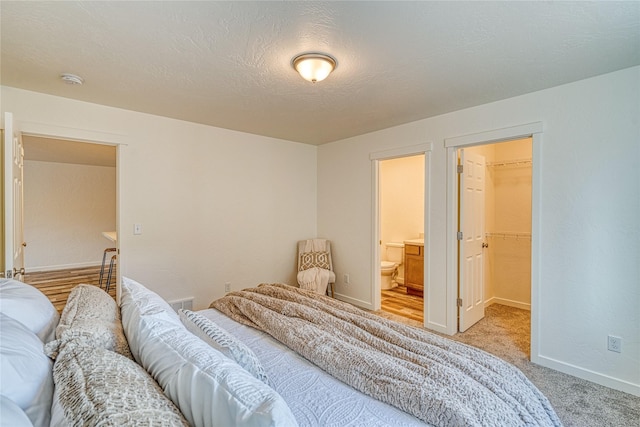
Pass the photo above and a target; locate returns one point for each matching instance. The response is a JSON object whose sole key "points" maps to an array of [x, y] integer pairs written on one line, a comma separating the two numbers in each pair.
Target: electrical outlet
{"points": [[346, 278], [227, 287], [614, 344]]}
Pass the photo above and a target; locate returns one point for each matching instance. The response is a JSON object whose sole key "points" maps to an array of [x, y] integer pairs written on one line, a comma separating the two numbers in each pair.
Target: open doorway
{"points": [[69, 204], [534, 131], [401, 201], [495, 194], [422, 154]]}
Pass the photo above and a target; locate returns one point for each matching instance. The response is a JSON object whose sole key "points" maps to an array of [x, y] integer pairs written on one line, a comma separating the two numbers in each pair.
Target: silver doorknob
{"points": [[18, 272]]}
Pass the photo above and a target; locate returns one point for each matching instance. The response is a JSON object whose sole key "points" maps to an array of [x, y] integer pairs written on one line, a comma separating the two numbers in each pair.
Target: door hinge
{"points": [[459, 235], [459, 302], [459, 168]]}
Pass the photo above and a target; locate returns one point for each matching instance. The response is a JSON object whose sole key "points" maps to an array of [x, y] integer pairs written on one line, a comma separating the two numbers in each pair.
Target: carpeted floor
{"points": [[504, 332]]}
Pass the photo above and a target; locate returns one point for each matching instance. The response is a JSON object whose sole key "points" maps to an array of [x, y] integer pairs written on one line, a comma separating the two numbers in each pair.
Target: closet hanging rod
{"points": [[519, 162], [516, 236]]}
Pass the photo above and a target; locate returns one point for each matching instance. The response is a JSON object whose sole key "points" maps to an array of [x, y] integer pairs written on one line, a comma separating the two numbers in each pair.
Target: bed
{"points": [[144, 364], [314, 397], [383, 365]]}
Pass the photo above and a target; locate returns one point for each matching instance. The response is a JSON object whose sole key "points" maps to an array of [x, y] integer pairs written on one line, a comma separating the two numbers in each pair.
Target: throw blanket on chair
{"points": [[315, 279], [438, 380]]}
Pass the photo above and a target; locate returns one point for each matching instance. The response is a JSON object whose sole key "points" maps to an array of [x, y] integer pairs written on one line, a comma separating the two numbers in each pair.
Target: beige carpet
{"points": [[505, 332]]}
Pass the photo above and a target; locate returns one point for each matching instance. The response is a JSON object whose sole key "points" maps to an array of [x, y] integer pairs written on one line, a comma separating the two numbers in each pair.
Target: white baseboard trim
{"points": [[354, 301], [586, 374], [63, 266], [510, 303]]}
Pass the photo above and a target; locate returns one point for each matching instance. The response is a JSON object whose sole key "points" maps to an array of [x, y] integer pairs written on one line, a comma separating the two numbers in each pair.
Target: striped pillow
{"points": [[224, 342]]}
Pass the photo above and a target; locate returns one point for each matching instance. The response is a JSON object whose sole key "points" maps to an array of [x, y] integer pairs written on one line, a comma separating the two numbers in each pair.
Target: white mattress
{"points": [[315, 397]]}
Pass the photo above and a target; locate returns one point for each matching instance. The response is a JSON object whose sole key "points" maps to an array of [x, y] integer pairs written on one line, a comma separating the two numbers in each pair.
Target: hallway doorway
{"points": [[70, 199]]}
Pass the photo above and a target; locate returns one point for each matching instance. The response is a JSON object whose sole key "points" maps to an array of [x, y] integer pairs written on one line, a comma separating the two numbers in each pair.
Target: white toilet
{"points": [[394, 256]]}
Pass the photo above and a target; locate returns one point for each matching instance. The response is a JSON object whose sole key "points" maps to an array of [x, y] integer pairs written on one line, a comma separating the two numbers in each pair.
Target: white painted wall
{"points": [[401, 202], [66, 208], [216, 205], [589, 231]]}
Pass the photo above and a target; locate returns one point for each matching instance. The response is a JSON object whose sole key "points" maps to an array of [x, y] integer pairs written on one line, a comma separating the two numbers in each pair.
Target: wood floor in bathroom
{"points": [[398, 302]]}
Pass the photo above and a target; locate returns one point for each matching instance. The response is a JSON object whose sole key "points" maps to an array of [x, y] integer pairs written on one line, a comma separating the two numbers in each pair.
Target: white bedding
{"points": [[315, 397]]}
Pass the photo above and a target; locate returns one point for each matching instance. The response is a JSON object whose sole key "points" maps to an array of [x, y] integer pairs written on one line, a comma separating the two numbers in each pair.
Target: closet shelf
{"points": [[513, 163], [509, 235]]}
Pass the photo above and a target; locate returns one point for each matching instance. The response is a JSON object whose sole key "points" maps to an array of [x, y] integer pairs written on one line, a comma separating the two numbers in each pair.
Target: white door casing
{"points": [[471, 259], [13, 199], [376, 157]]}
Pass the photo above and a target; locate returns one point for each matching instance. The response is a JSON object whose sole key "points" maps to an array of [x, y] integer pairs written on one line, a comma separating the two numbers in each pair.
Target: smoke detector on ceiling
{"points": [[71, 79]]}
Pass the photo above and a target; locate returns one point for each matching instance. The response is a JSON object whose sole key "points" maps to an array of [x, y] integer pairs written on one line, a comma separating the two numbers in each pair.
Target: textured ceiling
{"points": [[228, 64]]}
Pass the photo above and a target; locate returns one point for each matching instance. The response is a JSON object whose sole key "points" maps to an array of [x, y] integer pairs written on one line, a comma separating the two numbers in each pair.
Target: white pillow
{"points": [[147, 303], [209, 388], [30, 307], [25, 371], [11, 415], [224, 342]]}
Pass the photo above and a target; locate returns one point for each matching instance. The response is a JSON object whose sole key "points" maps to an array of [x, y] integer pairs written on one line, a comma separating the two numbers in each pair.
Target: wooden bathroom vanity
{"points": [[414, 266]]}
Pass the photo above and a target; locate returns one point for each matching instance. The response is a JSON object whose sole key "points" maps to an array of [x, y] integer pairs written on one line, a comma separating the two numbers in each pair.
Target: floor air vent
{"points": [[186, 304]]}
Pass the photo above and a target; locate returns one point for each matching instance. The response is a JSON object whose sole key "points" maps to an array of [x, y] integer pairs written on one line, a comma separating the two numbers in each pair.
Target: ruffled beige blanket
{"points": [[440, 381]]}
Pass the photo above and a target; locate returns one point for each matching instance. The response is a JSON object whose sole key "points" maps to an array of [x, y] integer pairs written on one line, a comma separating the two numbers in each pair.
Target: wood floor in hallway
{"points": [[57, 285], [397, 301]]}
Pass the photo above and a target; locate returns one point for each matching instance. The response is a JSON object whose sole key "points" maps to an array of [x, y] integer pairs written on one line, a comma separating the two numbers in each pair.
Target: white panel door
{"points": [[471, 260], [13, 201]]}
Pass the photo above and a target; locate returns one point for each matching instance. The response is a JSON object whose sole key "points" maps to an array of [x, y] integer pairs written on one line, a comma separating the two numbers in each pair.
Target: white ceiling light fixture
{"points": [[314, 67], [71, 79]]}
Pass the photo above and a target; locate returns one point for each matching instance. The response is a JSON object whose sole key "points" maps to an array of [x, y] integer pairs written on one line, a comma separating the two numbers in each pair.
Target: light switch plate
{"points": [[137, 228]]}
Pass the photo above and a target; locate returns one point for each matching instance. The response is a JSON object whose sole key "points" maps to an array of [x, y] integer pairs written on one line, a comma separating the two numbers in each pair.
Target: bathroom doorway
{"points": [[401, 192]]}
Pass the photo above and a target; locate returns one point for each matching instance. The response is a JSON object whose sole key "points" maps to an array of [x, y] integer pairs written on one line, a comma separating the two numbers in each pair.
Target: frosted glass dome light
{"points": [[314, 67]]}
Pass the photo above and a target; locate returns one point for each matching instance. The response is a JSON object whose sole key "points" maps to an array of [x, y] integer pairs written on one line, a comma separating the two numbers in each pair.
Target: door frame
{"points": [[376, 157], [13, 260], [90, 137], [534, 131]]}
